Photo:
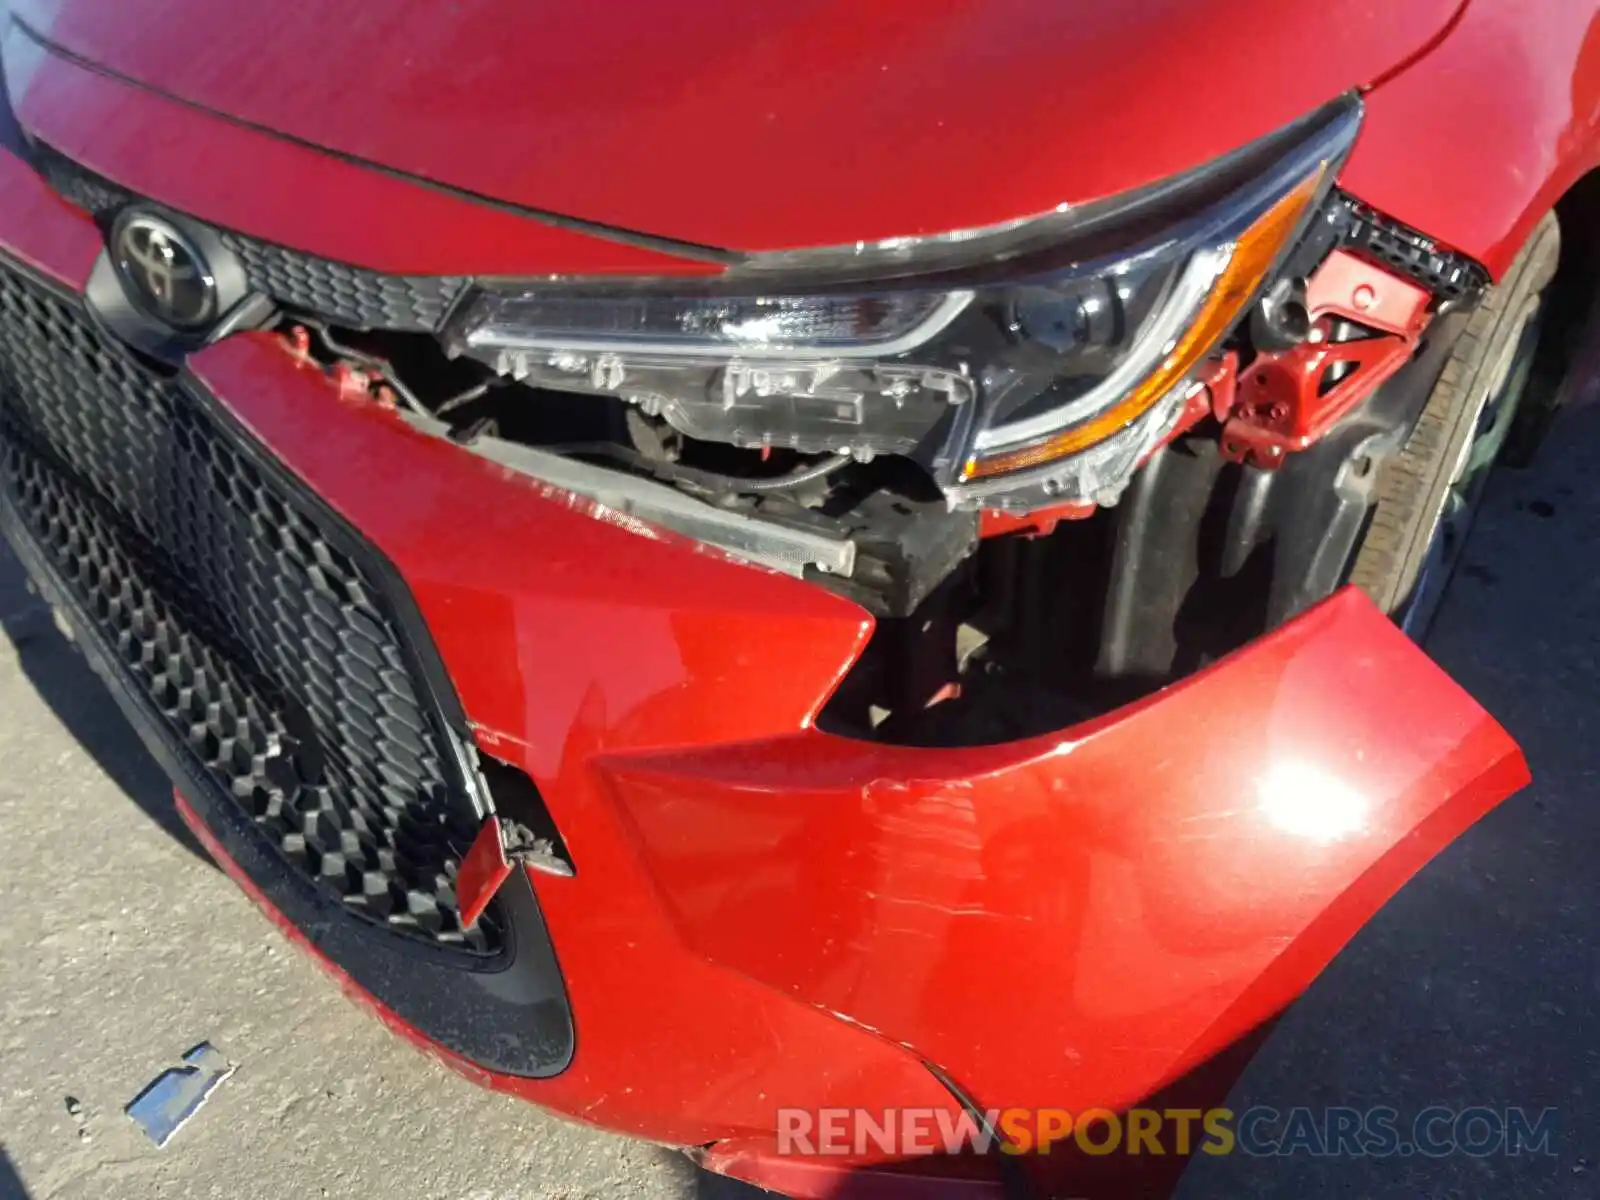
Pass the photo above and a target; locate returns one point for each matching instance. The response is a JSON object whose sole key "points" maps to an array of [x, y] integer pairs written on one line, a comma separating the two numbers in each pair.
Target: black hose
{"points": [[713, 481]]}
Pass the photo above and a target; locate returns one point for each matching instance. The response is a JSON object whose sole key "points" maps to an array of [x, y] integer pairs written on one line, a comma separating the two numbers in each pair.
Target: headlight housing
{"points": [[1031, 363]]}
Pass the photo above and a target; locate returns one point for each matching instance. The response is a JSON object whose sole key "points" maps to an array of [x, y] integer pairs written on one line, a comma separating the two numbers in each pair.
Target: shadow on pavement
{"points": [[707, 1187], [10, 1182], [80, 701]]}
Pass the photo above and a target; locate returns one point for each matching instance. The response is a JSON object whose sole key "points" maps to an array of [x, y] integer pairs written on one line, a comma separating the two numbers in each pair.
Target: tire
{"points": [[1415, 484]]}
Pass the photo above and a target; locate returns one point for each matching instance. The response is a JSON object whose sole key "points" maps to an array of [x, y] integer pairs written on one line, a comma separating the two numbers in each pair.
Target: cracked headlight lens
{"points": [[1029, 363]]}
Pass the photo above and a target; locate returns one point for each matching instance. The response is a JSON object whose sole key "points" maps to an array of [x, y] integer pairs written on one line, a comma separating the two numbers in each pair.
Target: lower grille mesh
{"points": [[272, 653]]}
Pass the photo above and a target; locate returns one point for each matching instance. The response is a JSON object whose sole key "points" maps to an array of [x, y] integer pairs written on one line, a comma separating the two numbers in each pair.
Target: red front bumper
{"points": [[767, 916]]}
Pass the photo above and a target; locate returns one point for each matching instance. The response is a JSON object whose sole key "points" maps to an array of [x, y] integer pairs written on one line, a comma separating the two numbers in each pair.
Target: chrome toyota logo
{"points": [[163, 271]]}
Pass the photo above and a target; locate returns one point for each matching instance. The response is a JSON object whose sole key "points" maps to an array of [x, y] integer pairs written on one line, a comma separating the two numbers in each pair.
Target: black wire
{"points": [[372, 362], [466, 397], [710, 480]]}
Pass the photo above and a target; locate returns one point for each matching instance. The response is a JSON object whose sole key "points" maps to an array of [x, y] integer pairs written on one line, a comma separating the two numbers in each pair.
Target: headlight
{"points": [[1029, 363]]}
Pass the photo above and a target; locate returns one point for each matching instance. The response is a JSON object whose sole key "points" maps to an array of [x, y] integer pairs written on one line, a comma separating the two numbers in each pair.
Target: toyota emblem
{"points": [[163, 272]]}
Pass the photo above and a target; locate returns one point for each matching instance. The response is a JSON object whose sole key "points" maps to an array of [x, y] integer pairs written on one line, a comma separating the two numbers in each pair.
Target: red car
{"points": [[720, 558]]}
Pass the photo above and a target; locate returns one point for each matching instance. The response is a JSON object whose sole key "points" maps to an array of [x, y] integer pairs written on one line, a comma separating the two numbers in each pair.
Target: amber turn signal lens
{"points": [[1254, 254]]}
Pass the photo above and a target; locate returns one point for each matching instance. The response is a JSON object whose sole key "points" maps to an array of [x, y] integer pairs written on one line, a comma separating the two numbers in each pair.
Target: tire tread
{"points": [[1410, 482]]}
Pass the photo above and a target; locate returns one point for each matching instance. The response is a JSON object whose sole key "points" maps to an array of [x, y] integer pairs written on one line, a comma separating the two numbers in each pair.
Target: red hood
{"points": [[755, 125]]}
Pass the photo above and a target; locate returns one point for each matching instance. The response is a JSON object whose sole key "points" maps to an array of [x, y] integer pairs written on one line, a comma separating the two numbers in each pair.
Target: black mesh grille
{"points": [[247, 618], [346, 295], [339, 293]]}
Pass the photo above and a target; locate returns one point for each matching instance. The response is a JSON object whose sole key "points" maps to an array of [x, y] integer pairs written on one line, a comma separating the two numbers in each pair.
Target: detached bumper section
{"points": [[1083, 918]]}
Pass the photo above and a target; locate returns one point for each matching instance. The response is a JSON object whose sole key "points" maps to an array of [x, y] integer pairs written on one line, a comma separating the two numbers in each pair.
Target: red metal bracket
{"points": [[483, 869], [1039, 523], [1287, 400]]}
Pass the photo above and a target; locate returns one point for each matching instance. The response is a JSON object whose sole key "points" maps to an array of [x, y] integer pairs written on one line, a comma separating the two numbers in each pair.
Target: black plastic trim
{"points": [[12, 137], [1208, 554], [1454, 278], [1014, 1181]]}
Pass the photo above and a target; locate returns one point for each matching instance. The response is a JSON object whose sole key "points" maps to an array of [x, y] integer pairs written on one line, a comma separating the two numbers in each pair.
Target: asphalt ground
{"points": [[121, 947]]}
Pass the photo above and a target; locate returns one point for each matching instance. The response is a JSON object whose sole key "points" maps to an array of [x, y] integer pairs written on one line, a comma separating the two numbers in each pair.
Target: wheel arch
{"points": [[1572, 304]]}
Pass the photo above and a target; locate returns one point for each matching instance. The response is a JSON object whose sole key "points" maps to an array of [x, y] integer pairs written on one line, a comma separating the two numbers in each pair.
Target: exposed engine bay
{"points": [[1058, 478]]}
